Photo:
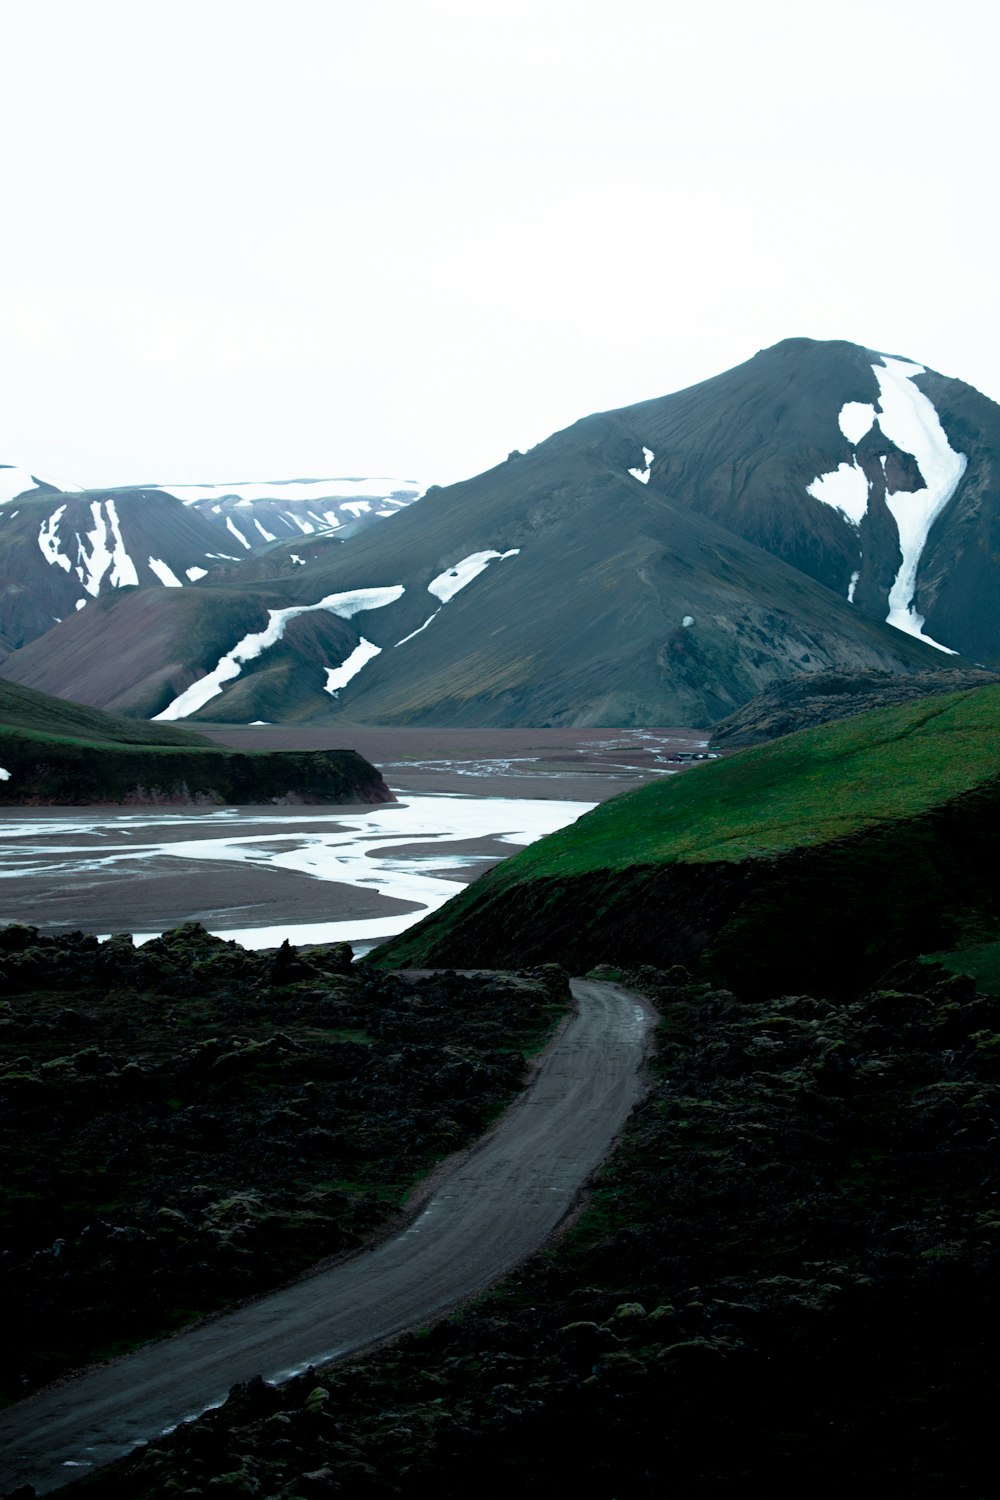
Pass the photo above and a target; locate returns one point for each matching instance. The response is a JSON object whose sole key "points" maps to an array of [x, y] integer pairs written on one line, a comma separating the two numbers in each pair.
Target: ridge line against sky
{"points": [[409, 236]]}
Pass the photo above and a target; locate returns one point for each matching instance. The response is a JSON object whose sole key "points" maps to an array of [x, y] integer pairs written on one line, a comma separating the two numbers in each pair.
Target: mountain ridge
{"points": [[662, 563]]}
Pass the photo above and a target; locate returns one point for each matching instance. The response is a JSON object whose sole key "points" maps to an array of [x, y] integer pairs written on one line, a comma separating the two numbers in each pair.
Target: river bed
{"points": [[320, 874]]}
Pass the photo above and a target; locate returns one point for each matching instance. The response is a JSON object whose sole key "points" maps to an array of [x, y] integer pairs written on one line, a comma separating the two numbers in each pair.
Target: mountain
{"points": [[54, 753], [60, 548], [820, 508], [814, 862], [289, 509]]}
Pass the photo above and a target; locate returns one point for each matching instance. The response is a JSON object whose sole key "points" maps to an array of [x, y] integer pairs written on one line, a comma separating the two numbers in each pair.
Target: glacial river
{"points": [[409, 856], [466, 799]]}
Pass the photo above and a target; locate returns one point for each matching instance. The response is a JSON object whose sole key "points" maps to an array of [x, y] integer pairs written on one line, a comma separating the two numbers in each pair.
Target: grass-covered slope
{"points": [[824, 855], [22, 708], [55, 753]]}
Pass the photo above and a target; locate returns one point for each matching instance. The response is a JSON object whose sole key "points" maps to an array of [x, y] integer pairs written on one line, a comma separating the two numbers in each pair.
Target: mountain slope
{"points": [[582, 597], [806, 512], [872, 474], [59, 549], [814, 861]]}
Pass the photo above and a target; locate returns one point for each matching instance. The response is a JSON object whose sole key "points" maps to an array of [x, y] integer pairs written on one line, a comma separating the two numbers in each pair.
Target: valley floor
{"points": [[263, 874]]}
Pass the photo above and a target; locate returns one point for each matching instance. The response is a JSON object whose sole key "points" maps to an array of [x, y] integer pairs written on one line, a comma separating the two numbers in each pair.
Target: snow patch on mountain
{"points": [[123, 571], [257, 642], [856, 418], [195, 573], [419, 628], [853, 585], [643, 474], [338, 677], [103, 558], [165, 574], [48, 540], [4, 775], [230, 526], [846, 488], [908, 418], [446, 585]]}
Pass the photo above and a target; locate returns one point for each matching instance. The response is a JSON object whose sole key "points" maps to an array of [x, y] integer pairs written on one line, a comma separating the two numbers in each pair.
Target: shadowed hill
{"points": [[55, 753]]}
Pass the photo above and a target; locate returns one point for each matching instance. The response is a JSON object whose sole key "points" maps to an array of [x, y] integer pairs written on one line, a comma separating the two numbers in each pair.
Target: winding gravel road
{"points": [[500, 1203]]}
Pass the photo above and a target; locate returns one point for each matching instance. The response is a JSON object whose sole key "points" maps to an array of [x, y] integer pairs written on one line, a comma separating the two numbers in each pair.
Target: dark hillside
{"points": [[785, 1282], [55, 753], [658, 564]]}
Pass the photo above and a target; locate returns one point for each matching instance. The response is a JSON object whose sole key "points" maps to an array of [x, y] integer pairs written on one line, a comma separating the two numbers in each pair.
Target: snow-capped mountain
{"points": [[289, 509], [873, 474], [61, 546], [15, 481], [822, 507]]}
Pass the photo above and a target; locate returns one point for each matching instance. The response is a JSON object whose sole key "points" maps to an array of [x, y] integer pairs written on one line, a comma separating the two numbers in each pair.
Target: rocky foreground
{"points": [[188, 1123], [788, 1270]]}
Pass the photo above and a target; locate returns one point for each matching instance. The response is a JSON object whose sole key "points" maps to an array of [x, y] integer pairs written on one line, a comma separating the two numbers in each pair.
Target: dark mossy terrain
{"points": [[49, 773], [816, 860], [188, 1123], [62, 754], [786, 1277]]}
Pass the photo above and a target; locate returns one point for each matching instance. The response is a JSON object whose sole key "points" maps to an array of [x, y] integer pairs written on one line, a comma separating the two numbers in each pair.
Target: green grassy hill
{"points": [[56, 753], [812, 860], [22, 708]]}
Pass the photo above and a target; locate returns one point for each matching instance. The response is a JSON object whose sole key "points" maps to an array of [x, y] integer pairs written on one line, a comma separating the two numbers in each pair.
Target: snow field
{"points": [[166, 576], [909, 420], [338, 677], [257, 642], [643, 474], [446, 585], [846, 488], [856, 418]]}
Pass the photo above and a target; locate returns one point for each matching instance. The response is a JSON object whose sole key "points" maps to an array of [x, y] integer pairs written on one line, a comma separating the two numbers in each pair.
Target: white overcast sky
{"points": [[276, 238]]}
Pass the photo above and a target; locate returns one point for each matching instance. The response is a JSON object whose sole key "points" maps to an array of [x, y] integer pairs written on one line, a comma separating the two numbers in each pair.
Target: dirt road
{"points": [[496, 1207]]}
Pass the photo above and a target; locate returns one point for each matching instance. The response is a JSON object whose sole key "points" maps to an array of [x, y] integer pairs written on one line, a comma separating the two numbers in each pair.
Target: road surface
{"points": [[499, 1204]]}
